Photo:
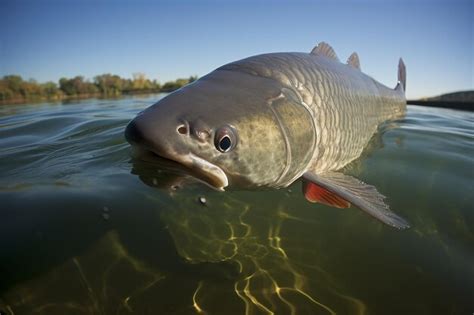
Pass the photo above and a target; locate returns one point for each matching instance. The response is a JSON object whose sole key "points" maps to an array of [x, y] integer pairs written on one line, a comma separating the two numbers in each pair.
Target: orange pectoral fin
{"points": [[339, 190], [314, 193]]}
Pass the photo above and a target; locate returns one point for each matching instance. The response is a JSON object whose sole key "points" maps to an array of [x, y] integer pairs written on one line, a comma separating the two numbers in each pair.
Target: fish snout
{"points": [[145, 133], [162, 136], [170, 139], [133, 134]]}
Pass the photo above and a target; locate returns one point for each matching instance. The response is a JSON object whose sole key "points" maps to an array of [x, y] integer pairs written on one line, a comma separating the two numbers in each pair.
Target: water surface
{"points": [[87, 230]]}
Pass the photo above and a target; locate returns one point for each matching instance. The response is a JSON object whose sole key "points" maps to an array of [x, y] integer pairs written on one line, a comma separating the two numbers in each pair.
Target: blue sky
{"points": [[48, 39]]}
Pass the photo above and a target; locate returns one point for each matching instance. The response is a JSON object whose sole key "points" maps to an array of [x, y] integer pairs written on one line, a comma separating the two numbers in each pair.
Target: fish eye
{"points": [[225, 143], [225, 139]]}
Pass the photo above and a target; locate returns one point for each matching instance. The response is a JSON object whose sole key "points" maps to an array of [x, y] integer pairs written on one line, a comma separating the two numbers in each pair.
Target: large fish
{"points": [[270, 119]]}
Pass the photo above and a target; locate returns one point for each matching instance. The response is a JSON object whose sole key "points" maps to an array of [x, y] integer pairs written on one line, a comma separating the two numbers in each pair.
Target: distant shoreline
{"points": [[462, 100], [15, 90], [61, 98], [468, 106]]}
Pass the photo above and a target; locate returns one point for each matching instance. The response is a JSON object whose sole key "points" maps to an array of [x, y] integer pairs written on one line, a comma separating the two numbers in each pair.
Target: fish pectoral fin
{"points": [[333, 187], [315, 193]]}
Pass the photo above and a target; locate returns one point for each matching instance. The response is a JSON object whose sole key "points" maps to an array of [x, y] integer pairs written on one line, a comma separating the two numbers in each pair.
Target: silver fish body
{"points": [[345, 105], [270, 119]]}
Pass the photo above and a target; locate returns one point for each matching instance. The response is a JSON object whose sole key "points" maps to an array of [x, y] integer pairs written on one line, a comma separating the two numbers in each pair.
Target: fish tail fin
{"points": [[402, 76]]}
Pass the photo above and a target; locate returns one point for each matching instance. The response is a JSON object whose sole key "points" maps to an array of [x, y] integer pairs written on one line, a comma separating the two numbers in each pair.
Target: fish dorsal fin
{"points": [[402, 74], [353, 61], [334, 188], [323, 49]]}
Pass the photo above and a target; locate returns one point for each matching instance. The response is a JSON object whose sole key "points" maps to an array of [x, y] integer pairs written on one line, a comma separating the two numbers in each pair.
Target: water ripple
{"points": [[82, 233]]}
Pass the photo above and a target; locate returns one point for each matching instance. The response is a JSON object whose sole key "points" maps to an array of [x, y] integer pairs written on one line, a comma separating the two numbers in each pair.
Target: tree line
{"points": [[15, 88]]}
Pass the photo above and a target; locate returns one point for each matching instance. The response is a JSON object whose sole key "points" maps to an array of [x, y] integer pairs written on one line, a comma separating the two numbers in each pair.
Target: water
{"points": [[86, 230]]}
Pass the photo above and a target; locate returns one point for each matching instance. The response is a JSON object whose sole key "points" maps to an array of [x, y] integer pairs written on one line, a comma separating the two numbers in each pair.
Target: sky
{"points": [[49, 39]]}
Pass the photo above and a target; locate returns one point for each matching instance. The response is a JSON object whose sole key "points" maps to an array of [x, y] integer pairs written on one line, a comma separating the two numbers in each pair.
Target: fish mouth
{"points": [[196, 166]]}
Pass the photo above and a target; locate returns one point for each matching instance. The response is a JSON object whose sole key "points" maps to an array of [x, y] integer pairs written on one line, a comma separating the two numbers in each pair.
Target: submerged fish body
{"points": [[270, 119]]}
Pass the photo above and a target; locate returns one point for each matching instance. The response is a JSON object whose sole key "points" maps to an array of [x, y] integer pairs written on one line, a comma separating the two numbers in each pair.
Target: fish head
{"points": [[222, 127]]}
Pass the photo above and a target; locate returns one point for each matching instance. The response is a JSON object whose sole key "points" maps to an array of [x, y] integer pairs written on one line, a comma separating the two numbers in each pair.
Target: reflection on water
{"points": [[87, 230]]}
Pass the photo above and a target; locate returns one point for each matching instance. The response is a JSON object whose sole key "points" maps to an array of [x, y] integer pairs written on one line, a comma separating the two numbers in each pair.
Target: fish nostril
{"points": [[182, 129]]}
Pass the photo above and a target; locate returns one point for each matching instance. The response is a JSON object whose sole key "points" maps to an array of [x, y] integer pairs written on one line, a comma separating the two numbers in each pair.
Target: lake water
{"points": [[87, 230]]}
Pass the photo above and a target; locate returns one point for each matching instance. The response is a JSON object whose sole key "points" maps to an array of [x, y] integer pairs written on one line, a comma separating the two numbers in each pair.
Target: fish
{"points": [[271, 119]]}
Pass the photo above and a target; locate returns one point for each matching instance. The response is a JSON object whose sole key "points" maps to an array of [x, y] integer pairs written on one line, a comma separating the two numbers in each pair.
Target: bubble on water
{"points": [[202, 200]]}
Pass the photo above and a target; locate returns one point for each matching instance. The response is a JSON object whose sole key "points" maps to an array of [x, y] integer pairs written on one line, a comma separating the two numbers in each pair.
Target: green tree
{"points": [[50, 90], [13, 82], [178, 83], [66, 85], [30, 89], [109, 84], [77, 86], [156, 86], [5, 92]]}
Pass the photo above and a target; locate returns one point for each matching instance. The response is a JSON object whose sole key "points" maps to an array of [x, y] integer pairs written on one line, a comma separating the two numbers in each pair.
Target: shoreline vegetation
{"points": [[15, 90]]}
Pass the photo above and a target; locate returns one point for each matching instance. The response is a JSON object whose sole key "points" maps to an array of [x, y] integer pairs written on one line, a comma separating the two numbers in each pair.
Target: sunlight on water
{"points": [[88, 230], [267, 279]]}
